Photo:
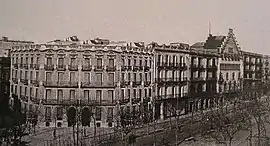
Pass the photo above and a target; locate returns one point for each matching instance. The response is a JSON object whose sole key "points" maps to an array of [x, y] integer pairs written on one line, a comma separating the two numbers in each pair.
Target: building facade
{"points": [[171, 78], [80, 80]]}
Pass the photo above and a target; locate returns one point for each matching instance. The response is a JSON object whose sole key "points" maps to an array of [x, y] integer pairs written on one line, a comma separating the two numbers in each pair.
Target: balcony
{"points": [[68, 84], [24, 98], [61, 67], [140, 68], [111, 68], [34, 99], [36, 66], [135, 100], [98, 68], [73, 67], [197, 79], [21, 65], [129, 68], [49, 84], [15, 80], [124, 84], [211, 67], [31, 66], [98, 85], [211, 79], [86, 67], [48, 67], [35, 83], [24, 81], [146, 68], [124, 68], [137, 83], [145, 100], [147, 83], [25, 66], [136, 68], [83, 102], [124, 101], [15, 65], [161, 65], [87, 102]]}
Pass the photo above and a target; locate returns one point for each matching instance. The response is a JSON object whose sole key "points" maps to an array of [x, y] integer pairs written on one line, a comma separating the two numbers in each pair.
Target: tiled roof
{"points": [[198, 45], [213, 42]]}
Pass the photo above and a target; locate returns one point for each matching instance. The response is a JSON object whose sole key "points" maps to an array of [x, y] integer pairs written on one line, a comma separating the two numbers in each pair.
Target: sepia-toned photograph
{"points": [[134, 73]]}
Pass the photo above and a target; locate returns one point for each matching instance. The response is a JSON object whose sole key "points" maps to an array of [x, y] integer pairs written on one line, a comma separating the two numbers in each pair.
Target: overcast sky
{"points": [[162, 21]]}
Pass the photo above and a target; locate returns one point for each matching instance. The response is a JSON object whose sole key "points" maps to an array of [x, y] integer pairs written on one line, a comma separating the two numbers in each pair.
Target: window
{"points": [[145, 75], [233, 75], [86, 94], [48, 76], [49, 61], [87, 61], [111, 62], [47, 114], [134, 74], [98, 113], [123, 61], [72, 94], [145, 93], [32, 60], [129, 77], [20, 90], [141, 77], [25, 75], [129, 62], [16, 74], [122, 93], [145, 62], [150, 91], [73, 61], [230, 50], [135, 62], [25, 91], [99, 62], [37, 75], [140, 62], [87, 77], [134, 93], [99, 78], [21, 74], [61, 62], [31, 92], [110, 114], [16, 92], [31, 75], [37, 61], [37, 93], [111, 78], [227, 76], [110, 94], [140, 93], [59, 113], [98, 95], [72, 76], [128, 94], [123, 77], [60, 76], [59, 94], [26, 60], [48, 94], [21, 60]]}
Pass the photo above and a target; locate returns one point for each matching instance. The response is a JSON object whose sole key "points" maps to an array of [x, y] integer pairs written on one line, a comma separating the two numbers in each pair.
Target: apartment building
{"points": [[64, 80], [253, 71], [203, 78], [171, 78], [265, 67]]}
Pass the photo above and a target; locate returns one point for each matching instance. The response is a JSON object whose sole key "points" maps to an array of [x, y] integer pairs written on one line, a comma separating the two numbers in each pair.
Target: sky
{"points": [[161, 21]]}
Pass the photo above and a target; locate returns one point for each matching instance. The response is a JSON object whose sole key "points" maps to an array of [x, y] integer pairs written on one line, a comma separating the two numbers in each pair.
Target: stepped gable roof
{"points": [[214, 42]]}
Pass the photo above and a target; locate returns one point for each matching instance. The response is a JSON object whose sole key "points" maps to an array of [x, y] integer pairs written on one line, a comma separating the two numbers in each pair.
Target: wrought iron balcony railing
{"points": [[15, 65], [86, 67], [147, 83], [99, 84], [25, 66], [24, 81], [61, 67], [146, 68], [36, 66], [49, 67], [24, 98], [99, 68], [73, 67], [35, 82], [111, 68], [81, 102], [21, 65], [15, 80]]}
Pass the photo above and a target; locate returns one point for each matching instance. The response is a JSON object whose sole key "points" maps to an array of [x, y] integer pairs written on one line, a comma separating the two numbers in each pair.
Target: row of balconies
{"points": [[25, 66], [81, 102], [134, 100], [170, 96], [172, 66], [135, 68], [134, 83], [170, 81], [202, 67], [25, 81], [75, 68]]}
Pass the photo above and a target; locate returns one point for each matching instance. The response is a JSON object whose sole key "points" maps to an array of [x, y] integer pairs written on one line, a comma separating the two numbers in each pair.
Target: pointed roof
{"points": [[214, 42]]}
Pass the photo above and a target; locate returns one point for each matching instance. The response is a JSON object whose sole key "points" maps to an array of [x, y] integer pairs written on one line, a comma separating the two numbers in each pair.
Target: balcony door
{"points": [[87, 62], [99, 78], [73, 62], [72, 77], [111, 62], [49, 61], [87, 77], [61, 62], [99, 62], [48, 76], [60, 76], [111, 78]]}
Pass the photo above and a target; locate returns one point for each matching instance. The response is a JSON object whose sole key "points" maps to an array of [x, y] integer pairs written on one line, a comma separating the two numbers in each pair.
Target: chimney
{"points": [[5, 38]]}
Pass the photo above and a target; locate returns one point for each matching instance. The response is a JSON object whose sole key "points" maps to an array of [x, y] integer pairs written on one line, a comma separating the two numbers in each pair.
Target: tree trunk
{"points": [[73, 129]]}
